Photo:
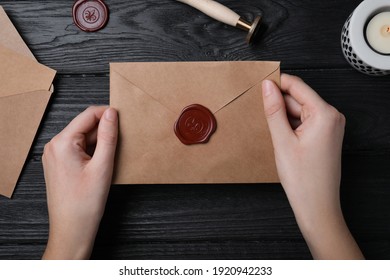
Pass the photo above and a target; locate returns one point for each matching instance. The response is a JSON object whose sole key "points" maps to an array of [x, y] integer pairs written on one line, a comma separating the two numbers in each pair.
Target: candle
{"points": [[378, 33]]}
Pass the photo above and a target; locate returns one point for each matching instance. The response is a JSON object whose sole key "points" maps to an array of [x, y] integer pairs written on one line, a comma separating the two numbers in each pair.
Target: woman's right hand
{"points": [[307, 135]]}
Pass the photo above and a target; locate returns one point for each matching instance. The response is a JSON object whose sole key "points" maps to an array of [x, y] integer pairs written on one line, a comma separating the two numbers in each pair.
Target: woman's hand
{"points": [[78, 165], [307, 134]]}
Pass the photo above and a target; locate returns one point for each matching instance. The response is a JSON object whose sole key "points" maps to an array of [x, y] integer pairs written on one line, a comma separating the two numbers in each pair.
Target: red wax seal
{"points": [[90, 15], [195, 125]]}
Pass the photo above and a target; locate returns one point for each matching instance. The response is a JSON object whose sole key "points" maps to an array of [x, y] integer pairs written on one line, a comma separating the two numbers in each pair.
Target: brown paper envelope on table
{"points": [[10, 38], [18, 126], [150, 98], [24, 95]]}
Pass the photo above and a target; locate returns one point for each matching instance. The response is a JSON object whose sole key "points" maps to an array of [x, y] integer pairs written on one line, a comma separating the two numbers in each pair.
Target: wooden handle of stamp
{"points": [[215, 10]]}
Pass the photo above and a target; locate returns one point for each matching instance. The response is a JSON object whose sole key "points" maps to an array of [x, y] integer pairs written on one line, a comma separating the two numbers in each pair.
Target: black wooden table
{"points": [[203, 221]]}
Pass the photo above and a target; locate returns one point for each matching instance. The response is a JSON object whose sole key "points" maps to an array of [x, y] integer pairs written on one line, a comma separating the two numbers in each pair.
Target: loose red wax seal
{"points": [[195, 125], [90, 15]]}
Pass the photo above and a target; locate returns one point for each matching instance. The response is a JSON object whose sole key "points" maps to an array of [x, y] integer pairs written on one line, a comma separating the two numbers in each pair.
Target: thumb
{"points": [[275, 112], [107, 137]]}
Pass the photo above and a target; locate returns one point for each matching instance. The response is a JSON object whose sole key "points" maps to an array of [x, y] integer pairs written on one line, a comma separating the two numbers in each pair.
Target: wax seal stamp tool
{"points": [[223, 14]]}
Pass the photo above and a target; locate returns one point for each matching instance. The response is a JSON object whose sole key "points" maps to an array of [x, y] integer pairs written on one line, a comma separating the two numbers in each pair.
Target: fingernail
{"points": [[111, 115], [268, 88]]}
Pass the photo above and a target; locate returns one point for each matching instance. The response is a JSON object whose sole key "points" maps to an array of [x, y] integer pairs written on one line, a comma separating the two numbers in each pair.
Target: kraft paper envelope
{"points": [[150, 97], [24, 95], [18, 137], [10, 38]]}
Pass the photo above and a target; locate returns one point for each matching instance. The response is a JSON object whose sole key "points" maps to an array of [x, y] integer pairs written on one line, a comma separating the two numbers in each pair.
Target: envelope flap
{"points": [[178, 84], [20, 116], [19, 74], [10, 38]]}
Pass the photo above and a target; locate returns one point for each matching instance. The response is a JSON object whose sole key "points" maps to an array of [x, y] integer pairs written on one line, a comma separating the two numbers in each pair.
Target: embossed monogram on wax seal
{"points": [[195, 125], [90, 15]]}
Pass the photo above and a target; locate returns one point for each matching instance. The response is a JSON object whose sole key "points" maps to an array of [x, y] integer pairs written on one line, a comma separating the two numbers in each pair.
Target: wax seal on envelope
{"points": [[90, 15], [195, 125]]}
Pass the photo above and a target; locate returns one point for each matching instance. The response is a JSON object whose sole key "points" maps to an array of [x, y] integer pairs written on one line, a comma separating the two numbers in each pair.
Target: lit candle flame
{"points": [[378, 33], [385, 30]]}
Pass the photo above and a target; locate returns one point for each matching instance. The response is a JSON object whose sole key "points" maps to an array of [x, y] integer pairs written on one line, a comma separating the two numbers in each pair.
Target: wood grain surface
{"points": [[207, 221]]}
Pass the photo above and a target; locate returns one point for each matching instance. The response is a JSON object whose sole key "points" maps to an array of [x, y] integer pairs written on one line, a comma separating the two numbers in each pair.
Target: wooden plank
{"points": [[247, 210], [302, 34], [208, 214], [257, 249], [289, 249], [176, 250], [186, 212], [206, 250]]}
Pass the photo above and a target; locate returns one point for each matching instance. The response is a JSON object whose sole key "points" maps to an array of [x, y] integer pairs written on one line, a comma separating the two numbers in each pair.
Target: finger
{"points": [[300, 91], [86, 121], [275, 112], [294, 109], [106, 140]]}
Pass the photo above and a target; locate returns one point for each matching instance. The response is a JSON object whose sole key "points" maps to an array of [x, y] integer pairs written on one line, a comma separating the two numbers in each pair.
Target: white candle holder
{"points": [[356, 50]]}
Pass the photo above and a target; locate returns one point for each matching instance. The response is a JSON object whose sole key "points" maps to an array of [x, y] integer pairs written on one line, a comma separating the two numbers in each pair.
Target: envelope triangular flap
{"points": [[10, 37], [19, 74], [212, 84], [20, 116]]}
